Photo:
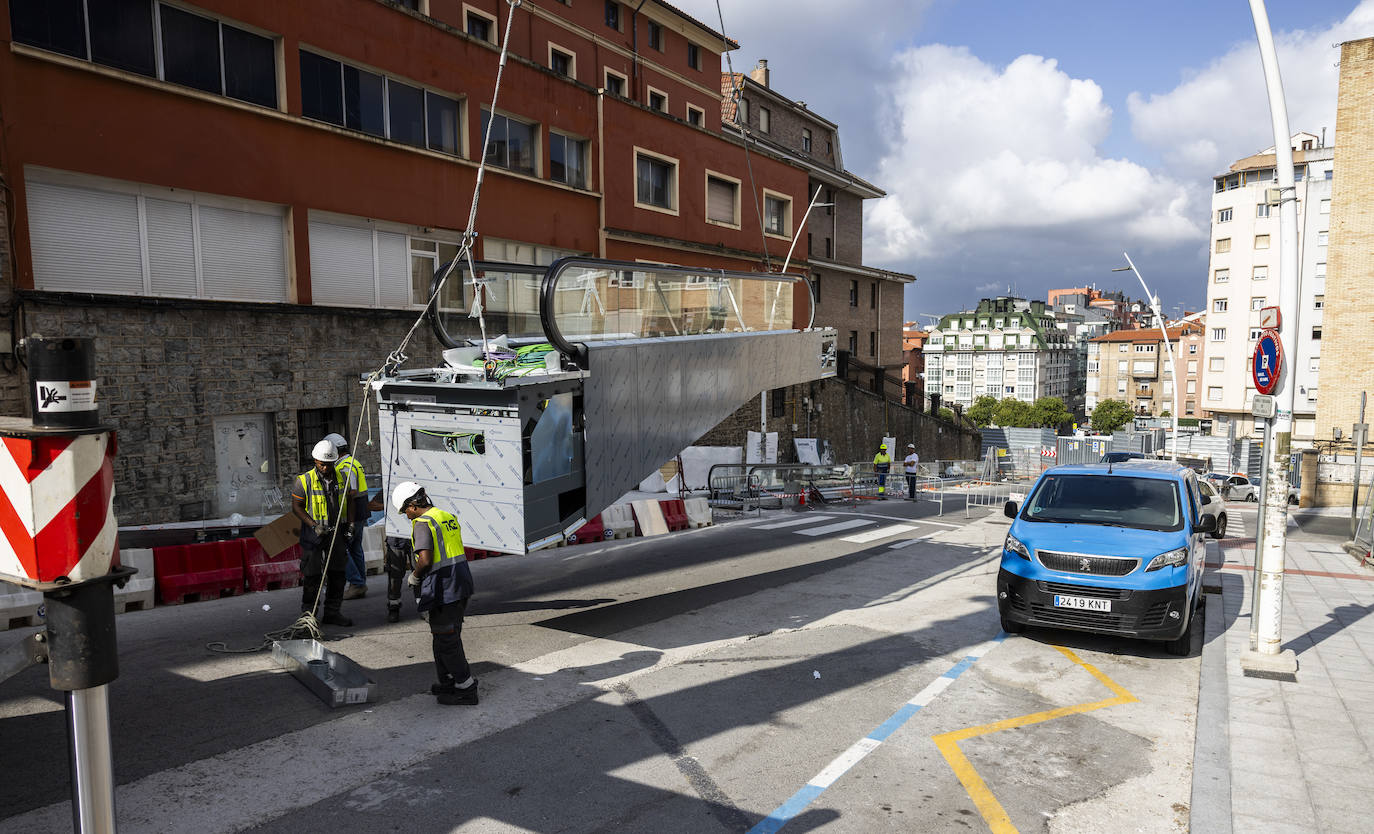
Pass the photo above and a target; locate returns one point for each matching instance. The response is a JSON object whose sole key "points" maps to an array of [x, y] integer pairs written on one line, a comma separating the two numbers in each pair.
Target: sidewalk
{"points": [[1279, 756]]}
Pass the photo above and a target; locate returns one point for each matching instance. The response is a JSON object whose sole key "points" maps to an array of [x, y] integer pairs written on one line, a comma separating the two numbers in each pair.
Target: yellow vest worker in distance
{"points": [[320, 500], [443, 585], [355, 570], [882, 464]]}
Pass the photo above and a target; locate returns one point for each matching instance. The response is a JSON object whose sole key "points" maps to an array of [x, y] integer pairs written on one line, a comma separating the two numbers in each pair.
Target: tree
{"points": [[1013, 412], [1110, 415], [1050, 412], [946, 414], [981, 410]]}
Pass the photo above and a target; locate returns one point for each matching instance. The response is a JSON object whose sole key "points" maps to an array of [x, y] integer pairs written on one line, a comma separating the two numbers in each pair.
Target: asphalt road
{"points": [[833, 670]]}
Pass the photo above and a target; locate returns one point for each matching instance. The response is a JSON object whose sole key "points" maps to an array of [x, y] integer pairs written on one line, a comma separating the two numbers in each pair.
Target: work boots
{"points": [[335, 618], [452, 697], [393, 613]]}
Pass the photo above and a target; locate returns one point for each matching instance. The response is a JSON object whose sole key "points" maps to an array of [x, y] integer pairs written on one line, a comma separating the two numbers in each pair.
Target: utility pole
{"points": [[1265, 658], [1358, 435]]}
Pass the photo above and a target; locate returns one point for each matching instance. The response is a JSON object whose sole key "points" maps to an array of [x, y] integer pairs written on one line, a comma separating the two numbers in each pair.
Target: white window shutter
{"points": [[393, 265], [171, 248], [242, 254], [341, 265], [83, 240]]}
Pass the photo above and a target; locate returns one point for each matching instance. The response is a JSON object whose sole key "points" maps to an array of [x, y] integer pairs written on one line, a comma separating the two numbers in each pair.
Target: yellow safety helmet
{"points": [[882, 447]]}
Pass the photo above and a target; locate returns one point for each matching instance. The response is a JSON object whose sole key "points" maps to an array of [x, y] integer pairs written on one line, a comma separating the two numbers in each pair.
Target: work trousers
{"points": [[446, 628], [397, 563], [313, 573], [911, 486]]}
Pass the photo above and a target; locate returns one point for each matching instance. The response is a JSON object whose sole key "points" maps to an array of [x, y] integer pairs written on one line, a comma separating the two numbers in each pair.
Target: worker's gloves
{"points": [[321, 529], [413, 580], [347, 531]]}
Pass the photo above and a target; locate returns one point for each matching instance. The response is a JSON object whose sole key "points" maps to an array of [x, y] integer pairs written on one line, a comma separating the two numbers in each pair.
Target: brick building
{"points": [[242, 201], [1132, 366], [1349, 340]]}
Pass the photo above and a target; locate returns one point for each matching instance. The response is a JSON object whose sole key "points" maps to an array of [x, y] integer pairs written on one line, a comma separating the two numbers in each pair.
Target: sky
{"points": [[1026, 146]]}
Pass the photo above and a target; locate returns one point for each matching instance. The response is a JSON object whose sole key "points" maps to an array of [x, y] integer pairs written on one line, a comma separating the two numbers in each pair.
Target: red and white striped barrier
{"points": [[57, 506]]}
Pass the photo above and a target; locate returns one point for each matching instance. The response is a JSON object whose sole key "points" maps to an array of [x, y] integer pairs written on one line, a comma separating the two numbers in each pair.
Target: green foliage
{"points": [[1050, 412], [946, 414], [1165, 413], [981, 410], [1110, 415], [1013, 412]]}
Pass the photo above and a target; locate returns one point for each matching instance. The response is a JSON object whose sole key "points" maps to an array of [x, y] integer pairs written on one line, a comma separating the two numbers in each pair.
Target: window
{"points": [[613, 14], [1312, 389], [480, 26], [872, 343], [567, 160], [1261, 241], [1216, 364], [426, 257], [562, 62], [1121, 386], [658, 100], [1318, 302], [1192, 367], [317, 422], [1314, 364], [1323, 238], [655, 181], [1256, 303], [873, 296], [615, 83], [854, 348], [511, 144], [355, 263], [1261, 273], [1218, 334], [693, 56], [93, 235], [1219, 305], [1255, 333], [1224, 215], [1328, 173], [1191, 387], [1261, 209], [1190, 407], [1316, 334], [345, 95], [1320, 271], [828, 247], [1223, 245], [829, 202], [816, 290], [742, 111], [1214, 393], [1192, 348], [722, 200], [655, 36], [696, 117], [1325, 207], [777, 214], [806, 140], [197, 51], [853, 293], [1144, 348], [1223, 275], [1122, 366]]}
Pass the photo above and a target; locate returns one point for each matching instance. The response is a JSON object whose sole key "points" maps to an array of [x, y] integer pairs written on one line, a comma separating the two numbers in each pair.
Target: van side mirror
{"points": [[1205, 524], [1009, 509]]}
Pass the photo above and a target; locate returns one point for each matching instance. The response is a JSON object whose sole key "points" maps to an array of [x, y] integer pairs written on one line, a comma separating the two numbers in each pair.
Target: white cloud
{"points": [[976, 148], [1221, 113]]}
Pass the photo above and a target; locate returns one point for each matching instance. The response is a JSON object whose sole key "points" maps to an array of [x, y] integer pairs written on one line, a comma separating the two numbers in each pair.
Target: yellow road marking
{"points": [[987, 804]]}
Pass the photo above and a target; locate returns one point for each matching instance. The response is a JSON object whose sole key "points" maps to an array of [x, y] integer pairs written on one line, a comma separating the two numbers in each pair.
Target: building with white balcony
{"points": [[1242, 279], [1006, 347]]}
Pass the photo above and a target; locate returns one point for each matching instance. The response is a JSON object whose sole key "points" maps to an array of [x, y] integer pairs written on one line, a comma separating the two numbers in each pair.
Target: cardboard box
{"points": [[280, 534]]}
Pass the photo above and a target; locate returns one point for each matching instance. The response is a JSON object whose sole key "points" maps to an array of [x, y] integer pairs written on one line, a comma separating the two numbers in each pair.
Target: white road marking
{"points": [[880, 533], [834, 528], [791, 523]]}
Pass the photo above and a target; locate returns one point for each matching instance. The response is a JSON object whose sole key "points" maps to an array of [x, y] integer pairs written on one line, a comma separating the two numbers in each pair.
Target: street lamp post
{"points": [[1163, 331]]}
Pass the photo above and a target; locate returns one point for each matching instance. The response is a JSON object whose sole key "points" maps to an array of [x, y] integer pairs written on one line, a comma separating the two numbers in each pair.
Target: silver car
{"points": [[1240, 488], [1213, 505]]}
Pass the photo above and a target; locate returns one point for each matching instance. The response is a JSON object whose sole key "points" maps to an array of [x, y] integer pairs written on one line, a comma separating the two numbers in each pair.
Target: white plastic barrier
{"points": [[619, 519], [374, 548], [19, 607], [649, 514], [137, 593], [699, 512]]}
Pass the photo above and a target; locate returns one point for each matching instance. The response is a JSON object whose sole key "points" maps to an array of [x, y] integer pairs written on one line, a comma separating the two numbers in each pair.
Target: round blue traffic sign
{"points": [[1267, 361]]}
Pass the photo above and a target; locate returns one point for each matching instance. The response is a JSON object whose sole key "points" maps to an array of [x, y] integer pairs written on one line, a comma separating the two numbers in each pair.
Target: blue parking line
{"points": [[860, 749]]}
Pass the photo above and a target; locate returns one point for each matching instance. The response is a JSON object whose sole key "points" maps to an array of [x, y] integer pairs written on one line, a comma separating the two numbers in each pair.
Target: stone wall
{"points": [[852, 419]]}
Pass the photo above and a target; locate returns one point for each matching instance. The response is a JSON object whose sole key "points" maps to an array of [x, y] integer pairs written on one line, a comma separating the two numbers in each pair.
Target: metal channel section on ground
{"points": [[595, 372]]}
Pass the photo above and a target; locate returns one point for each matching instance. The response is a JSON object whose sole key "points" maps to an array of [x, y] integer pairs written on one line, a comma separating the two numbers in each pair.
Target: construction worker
{"points": [[320, 498], [882, 464], [444, 585], [910, 467], [355, 569]]}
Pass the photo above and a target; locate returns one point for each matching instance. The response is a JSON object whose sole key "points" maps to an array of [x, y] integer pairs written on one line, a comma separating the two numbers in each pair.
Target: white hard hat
{"points": [[337, 440], [911, 445], [325, 451], [403, 492]]}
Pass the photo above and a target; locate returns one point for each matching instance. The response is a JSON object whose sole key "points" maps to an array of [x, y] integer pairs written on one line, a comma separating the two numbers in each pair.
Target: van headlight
{"points": [[1172, 559], [1014, 545]]}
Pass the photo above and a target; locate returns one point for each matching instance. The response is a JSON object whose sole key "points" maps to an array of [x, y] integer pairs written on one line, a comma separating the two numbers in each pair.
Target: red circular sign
{"points": [[1266, 363]]}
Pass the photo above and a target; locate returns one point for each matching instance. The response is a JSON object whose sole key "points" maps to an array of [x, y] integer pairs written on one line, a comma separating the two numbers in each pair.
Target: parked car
{"points": [[1107, 549], [1118, 457], [1240, 488], [1214, 505]]}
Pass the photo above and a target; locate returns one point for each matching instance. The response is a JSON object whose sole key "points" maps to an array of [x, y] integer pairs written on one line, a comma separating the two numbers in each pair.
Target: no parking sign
{"points": [[1267, 361]]}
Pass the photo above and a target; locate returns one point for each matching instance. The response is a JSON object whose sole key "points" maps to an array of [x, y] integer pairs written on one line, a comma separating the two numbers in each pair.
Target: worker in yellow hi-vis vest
{"points": [[882, 464]]}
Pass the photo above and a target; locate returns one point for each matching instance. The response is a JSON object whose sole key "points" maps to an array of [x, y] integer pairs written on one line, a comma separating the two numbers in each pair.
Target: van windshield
{"points": [[1110, 500]]}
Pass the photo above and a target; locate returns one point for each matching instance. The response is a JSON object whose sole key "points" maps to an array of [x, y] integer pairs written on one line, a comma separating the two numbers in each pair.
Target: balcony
{"points": [[1144, 370]]}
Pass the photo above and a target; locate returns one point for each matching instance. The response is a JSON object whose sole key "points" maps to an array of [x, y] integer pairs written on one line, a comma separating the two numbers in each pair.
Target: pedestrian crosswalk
{"points": [[825, 524]]}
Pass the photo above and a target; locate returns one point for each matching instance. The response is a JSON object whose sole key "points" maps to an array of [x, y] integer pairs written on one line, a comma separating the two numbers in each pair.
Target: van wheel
{"points": [[1011, 627], [1182, 645], [1220, 532]]}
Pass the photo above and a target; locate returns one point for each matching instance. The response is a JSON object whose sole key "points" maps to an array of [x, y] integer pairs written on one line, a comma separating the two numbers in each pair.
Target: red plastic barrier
{"points": [[593, 531], [203, 571], [675, 513], [270, 573]]}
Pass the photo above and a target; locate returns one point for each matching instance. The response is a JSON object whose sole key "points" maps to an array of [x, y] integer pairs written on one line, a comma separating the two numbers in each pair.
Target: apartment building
{"points": [[243, 201], [1243, 278], [1349, 337], [1005, 347], [862, 303], [913, 349], [1132, 366]]}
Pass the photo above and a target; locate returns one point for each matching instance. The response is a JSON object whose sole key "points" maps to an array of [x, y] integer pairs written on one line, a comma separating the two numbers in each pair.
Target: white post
{"points": [[1265, 659], [1173, 370]]}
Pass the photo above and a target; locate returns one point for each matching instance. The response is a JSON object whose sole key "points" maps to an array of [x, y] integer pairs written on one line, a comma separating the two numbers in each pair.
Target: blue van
{"points": [[1112, 548]]}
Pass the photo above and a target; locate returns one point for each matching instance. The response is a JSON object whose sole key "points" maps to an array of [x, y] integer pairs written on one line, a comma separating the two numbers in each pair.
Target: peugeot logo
{"points": [[1085, 565]]}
